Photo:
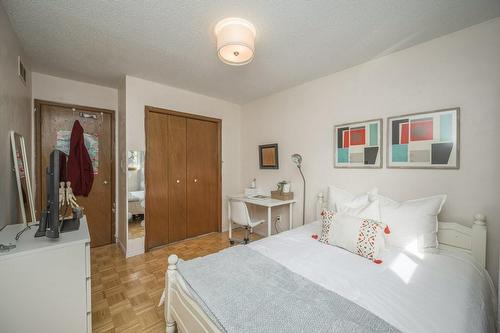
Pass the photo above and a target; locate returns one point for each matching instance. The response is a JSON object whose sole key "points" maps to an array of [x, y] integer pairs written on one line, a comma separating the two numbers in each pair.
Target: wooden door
{"points": [[202, 177], [54, 121], [157, 184], [177, 178]]}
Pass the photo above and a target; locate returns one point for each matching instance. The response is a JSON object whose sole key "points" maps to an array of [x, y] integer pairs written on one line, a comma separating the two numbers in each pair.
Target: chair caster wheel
{"points": [[231, 242]]}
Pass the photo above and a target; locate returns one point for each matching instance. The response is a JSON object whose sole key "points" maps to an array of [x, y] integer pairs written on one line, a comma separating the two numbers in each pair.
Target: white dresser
{"points": [[45, 283]]}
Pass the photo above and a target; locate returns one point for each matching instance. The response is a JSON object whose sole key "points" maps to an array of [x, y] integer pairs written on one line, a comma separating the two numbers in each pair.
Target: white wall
{"points": [[15, 115], [122, 206], [140, 93], [461, 69], [56, 89]]}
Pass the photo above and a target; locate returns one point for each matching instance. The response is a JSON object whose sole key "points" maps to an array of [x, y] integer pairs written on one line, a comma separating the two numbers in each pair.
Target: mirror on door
{"points": [[136, 197]]}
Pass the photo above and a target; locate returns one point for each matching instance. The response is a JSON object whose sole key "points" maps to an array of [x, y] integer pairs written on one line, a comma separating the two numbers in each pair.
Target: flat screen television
{"points": [[49, 221]]}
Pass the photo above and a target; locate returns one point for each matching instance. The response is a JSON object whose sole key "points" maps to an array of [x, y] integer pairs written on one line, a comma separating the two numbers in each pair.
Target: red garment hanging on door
{"points": [[79, 168]]}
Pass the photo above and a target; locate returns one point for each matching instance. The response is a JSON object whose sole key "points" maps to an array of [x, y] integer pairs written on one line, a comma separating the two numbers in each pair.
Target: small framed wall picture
{"points": [[426, 140], [268, 156], [358, 145]]}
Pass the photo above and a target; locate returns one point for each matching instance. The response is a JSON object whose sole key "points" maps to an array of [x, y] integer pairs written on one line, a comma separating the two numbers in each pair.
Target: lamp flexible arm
{"points": [[303, 197]]}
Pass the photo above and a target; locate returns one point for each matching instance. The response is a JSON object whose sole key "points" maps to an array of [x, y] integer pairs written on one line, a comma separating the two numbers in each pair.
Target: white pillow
{"points": [[412, 222], [360, 236], [370, 211], [337, 196]]}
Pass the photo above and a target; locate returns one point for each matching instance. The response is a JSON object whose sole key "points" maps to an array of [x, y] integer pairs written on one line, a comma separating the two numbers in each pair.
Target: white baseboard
{"points": [[122, 247], [135, 247]]}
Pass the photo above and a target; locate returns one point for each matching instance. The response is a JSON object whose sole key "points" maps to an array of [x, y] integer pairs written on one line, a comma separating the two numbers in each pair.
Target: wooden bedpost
{"points": [[171, 270], [478, 240]]}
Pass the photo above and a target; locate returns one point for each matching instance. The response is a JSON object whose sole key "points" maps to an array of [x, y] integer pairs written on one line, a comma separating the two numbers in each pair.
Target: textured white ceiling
{"points": [[172, 42]]}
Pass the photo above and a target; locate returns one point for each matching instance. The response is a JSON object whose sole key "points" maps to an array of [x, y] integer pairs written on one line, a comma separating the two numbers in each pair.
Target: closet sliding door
{"points": [[202, 176], [177, 178], [157, 184], [183, 176]]}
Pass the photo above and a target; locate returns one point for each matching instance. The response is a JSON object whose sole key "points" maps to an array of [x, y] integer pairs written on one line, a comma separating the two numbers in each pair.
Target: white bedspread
{"points": [[414, 292]]}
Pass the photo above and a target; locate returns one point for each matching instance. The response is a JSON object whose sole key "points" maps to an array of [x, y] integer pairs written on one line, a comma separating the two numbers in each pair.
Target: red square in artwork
{"points": [[421, 129], [357, 136], [405, 133], [346, 139]]}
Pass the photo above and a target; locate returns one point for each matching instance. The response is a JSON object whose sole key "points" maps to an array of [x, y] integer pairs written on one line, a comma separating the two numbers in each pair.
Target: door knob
{"points": [[195, 180], [177, 181], [105, 182]]}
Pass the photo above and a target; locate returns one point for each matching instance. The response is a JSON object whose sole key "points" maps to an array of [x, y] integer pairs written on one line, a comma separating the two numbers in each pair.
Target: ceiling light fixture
{"points": [[235, 41]]}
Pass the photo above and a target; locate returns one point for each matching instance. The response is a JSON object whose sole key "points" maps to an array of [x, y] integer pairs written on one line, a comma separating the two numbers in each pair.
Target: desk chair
{"points": [[238, 213]]}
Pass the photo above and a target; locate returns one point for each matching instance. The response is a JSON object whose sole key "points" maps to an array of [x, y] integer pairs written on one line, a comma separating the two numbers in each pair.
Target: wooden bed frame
{"points": [[183, 314]]}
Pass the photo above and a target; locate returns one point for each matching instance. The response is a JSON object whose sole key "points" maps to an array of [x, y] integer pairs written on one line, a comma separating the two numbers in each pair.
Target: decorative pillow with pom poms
{"points": [[327, 216], [363, 237]]}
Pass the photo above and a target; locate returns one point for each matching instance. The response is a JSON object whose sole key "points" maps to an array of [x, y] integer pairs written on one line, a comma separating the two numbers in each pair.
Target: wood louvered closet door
{"points": [[182, 176]]}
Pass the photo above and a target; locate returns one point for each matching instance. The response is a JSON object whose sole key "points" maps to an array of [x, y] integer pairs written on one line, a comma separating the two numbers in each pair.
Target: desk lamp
{"points": [[297, 159]]}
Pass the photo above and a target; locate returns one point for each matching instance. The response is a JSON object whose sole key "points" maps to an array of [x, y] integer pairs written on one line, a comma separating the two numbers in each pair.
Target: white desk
{"points": [[268, 203]]}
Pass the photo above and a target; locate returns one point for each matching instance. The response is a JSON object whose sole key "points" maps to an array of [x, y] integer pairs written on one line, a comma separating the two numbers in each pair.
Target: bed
{"points": [[445, 291], [136, 202], [136, 196]]}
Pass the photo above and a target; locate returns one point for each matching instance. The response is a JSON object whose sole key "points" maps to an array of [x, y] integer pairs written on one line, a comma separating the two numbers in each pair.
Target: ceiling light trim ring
{"points": [[236, 21]]}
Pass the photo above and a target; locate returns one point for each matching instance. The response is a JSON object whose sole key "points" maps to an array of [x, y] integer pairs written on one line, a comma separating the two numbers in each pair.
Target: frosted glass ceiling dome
{"points": [[235, 41]]}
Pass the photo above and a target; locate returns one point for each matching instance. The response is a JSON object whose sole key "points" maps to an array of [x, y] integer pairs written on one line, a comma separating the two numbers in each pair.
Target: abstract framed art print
{"points": [[427, 140], [358, 145]]}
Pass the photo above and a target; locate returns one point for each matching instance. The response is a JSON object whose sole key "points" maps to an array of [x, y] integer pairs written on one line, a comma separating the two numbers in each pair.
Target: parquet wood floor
{"points": [[126, 292]]}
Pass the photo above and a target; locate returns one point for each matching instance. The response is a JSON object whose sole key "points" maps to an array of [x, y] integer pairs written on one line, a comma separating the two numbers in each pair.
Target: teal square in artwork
{"points": [[400, 153], [374, 134], [342, 155], [445, 127]]}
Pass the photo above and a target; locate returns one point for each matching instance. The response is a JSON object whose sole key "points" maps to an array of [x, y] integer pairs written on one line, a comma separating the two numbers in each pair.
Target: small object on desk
{"points": [[253, 184], [281, 195], [251, 192], [283, 186], [260, 196]]}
